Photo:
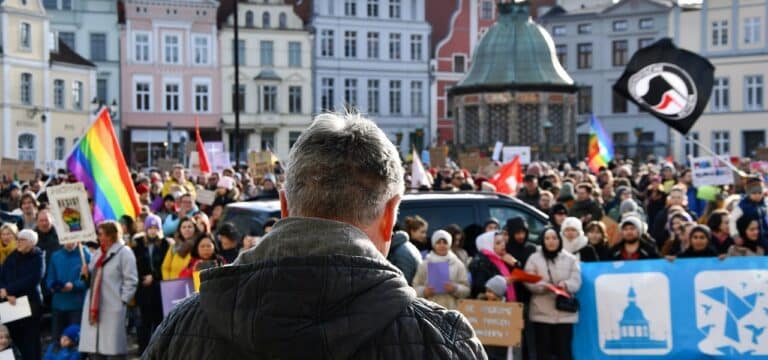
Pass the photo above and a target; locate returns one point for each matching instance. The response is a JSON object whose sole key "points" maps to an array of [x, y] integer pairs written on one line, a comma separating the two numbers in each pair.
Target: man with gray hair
{"points": [[319, 285]]}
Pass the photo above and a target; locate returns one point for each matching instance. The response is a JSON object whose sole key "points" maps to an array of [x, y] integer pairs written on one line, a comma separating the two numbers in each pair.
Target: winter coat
{"points": [[564, 268], [149, 261], [187, 185], [646, 250], [530, 199], [173, 264], [738, 250], [56, 353], [189, 271], [758, 210], [722, 247], [313, 289], [458, 276], [593, 253], [118, 285], [404, 255], [481, 270], [49, 243], [21, 275], [587, 207], [690, 253], [65, 267], [696, 205], [5, 251]]}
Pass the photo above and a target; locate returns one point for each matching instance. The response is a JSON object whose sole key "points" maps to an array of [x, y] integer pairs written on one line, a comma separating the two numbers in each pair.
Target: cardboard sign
{"points": [[496, 323], [175, 291], [708, 170], [52, 166], [7, 354], [509, 153], [219, 161], [761, 154], [21, 310], [194, 164], [206, 197], [214, 146], [261, 163], [12, 168], [167, 164], [438, 157], [71, 213], [470, 161], [497, 151]]}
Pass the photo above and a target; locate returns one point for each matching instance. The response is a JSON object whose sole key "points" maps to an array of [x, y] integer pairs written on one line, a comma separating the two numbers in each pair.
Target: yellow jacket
{"points": [[6, 250], [173, 264], [187, 186]]}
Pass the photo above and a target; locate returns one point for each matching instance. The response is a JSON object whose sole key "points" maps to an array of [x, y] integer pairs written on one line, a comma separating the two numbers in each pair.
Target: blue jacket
{"points": [[63, 268], [22, 273], [696, 205], [61, 354]]}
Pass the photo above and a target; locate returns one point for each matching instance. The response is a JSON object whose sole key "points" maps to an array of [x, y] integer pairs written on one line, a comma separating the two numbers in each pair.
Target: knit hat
{"points": [[28, 234], [566, 192], [497, 285], [628, 205], [442, 234], [634, 221], [153, 220], [572, 223], [485, 241], [559, 209], [72, 332], [226, 182]]}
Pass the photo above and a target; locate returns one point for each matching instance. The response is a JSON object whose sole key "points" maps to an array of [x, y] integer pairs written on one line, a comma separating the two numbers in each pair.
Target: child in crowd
{"points": [[457, 286], [66, 348], [6, 344]]}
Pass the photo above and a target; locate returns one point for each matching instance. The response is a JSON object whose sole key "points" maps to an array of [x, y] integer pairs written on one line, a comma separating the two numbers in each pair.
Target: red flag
{"points": [[507, 178], [205, 167]]}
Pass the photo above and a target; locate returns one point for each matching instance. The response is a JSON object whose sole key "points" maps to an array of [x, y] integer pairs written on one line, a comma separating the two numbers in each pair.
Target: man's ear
{"points": [[389, 218], [283, 205]]}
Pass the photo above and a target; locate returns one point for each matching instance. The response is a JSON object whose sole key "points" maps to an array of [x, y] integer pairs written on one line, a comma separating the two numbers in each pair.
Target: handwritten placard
{"points": [[495, 323]]}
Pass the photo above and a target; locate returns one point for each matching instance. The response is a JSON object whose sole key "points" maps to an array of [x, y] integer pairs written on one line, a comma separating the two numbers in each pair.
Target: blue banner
{"points": [[686, 309]]}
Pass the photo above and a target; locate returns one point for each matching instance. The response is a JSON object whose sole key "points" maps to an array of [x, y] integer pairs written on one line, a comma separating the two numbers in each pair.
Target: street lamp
{"points": [[547, 130], [638, 132]]}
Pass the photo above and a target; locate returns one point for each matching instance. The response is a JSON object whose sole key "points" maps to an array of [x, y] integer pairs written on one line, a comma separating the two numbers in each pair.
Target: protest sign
{"points": [[206, 197], [509, 153], [438, 273], [497, 151], [10, 313], [213, 146], [219, 161], [686, 309], [261, 163], [17, 169], [175, 291], [708, 170], [438, 156], [167, 164], [495, 323], [194, 163], [71, 213], [7, 354], [470, 161]]}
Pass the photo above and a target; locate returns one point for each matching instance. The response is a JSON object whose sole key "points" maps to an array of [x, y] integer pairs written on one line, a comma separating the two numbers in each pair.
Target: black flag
{"points": [[671, 83]]}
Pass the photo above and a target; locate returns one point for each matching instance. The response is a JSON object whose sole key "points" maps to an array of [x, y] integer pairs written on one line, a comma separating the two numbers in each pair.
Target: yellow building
{"points": [[45, 87], [732, 35]]}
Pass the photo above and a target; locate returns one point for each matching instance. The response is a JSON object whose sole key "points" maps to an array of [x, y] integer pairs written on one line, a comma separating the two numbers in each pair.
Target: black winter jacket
{"points": [[149, 264], [313, 289]]}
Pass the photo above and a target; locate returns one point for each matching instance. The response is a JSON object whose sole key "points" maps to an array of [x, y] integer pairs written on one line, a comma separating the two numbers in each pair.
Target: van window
{"points": [[440, 217], [503, 213]]}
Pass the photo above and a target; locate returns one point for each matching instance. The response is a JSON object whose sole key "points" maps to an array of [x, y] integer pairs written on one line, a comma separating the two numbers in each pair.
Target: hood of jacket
{"points": [[515, 225], [315, 283], [399, 238]]}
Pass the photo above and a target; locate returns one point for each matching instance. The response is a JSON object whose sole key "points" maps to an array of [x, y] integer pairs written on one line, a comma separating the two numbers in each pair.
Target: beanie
{"points": [[636, 222], [153, 221], [72, 332], [497, 285], [442, 234], [28, 234]]}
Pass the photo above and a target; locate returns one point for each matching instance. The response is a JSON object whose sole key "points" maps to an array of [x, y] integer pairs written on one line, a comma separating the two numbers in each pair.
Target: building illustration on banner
{"points": [[732, 312], [632, 322]]}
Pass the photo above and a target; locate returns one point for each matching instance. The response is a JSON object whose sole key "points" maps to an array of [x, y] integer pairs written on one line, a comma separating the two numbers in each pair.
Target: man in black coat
{"points": [[319, 285], [632, 245]]}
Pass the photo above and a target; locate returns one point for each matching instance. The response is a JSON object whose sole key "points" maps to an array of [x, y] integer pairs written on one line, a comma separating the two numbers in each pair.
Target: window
{"points": [[51, 4], [77, 95], [394, 9], [620, 25], [26, 36], [754, 91], [66, 4], [373, 8], [238, 98], [395, 102], [620, 52], [373, 45], [416, 47], [585, 28], [562, 54], [143, 95], [486, 10], [267, 53], [293, 137], [720, 94], [394, 46], [26, 89], [270, 98], [585, 100], [720, 33], [282, 20], [350, 92], [458, 63], [644, 42], [448, 102], [294, 54], [645, 23], [721, 142], [202, 97], [201, 50], [350, 44], [98, 47], [240, 59], [172, 97], [373, 96], [171, 49], [619, 104], [690, 148], [751, 30], [267, 140], [141, 47], [585, 56], [326, 94], [558, 30], [266, 21], [326, 43], [58, 93], [27, 147], [350, 7], [294, 99], [249, 19], [68, 38], [417, 96], [102, 87], [60, 144]]}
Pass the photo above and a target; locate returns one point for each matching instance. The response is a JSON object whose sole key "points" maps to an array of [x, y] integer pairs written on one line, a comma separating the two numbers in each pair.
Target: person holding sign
{"points": [[442, 277], [21, 275], [178, 179]]}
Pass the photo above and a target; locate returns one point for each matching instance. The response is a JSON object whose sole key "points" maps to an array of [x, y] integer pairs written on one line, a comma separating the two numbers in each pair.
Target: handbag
{"points": [[562, 302]]}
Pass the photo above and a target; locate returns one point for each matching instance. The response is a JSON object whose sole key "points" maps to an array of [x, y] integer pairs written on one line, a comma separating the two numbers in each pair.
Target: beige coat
{"points": [[458, 274], [736, 250], [565, 268]]}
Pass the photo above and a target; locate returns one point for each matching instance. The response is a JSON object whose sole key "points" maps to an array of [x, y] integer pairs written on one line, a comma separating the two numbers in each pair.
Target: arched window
{"points": [[59, 148], [27, 147], [265, 20], [283, 20], [249, 18]]}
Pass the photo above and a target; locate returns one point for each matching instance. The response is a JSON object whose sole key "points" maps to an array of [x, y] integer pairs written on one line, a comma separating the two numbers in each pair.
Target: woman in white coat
{"points": [[113, 280], [457, 285], [553, 327]]}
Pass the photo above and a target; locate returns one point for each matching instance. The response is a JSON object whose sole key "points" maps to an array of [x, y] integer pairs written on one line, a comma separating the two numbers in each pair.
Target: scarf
{"points": [[96, 289], [504, 270], [573, 246]]}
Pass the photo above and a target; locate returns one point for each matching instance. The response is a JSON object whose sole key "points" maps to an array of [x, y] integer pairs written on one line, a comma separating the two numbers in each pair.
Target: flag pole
{"points": [[711, 152]]}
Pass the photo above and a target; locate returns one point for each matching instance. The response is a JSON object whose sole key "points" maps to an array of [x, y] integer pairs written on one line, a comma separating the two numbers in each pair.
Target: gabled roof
{"points": [[69, 56]]}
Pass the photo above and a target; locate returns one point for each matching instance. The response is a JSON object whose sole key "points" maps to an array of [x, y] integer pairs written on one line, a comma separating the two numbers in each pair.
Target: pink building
{"points": [[169, 66]]}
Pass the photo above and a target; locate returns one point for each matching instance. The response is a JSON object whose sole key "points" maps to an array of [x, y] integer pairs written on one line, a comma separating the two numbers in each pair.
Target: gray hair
{"points": [[343, 168]]}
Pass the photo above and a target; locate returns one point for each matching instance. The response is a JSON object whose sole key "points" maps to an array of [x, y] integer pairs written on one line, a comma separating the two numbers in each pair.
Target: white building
{"points": [[374, 55]]}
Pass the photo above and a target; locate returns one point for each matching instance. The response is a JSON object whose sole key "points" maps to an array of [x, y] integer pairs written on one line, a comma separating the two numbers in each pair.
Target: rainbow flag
{"points": [[600, 150], [98, 163]]}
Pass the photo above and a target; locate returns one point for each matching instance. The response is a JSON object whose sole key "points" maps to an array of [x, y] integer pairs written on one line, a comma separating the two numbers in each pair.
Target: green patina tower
{"points": [[516, 91]]}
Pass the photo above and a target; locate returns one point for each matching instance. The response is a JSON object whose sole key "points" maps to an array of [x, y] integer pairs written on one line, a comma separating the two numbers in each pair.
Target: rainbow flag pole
{"points": [[97, 161], [600, 149]]}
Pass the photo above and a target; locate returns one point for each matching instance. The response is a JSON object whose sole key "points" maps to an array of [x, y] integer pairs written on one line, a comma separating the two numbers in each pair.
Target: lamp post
{"points": [[638, 132], [547, 130]]}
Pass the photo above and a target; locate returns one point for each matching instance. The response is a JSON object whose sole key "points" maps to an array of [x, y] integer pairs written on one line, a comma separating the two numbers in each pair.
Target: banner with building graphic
{"points": [[718, 308]]}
